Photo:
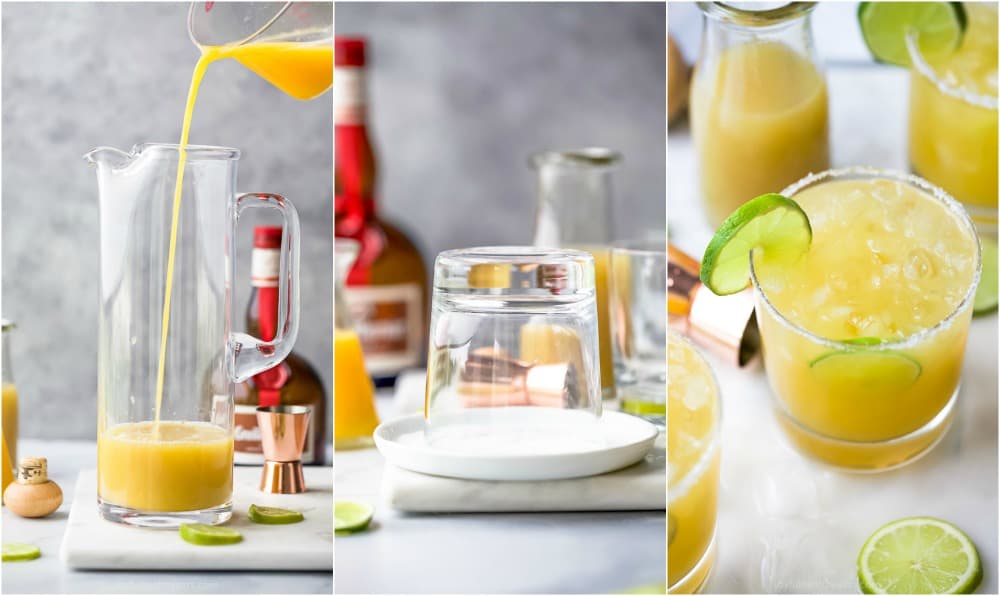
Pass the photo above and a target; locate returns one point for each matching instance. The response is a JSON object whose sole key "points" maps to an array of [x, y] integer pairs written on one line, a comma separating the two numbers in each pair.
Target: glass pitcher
{"points": [[355, 417], [575, 197], [759, 112], [167, 460]]}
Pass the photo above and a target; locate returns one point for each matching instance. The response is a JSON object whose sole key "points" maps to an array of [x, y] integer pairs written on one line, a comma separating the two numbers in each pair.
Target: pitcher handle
{"points": [[251, 355]]}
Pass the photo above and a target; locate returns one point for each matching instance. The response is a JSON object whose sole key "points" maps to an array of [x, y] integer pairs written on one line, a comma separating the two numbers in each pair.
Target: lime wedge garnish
{"points": [[205, 535], [919, 555], [15, 551], [885, 25], [874, 369], [351, 516], [772, 224], [273, 515], [986, 293]]}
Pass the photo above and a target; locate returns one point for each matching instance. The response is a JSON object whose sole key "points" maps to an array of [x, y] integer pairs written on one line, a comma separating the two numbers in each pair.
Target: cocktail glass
{"points": [[639, 326], [953, 116], [513, 364], [865, 335], [693, 422]]}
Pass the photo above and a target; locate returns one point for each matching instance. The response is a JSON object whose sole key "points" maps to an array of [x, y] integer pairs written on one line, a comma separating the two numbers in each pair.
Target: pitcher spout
{"points": [[109, 157]]}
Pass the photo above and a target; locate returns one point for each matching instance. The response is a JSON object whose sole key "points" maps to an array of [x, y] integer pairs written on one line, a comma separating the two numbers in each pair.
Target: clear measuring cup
{"points": [[288, 44], [178, 467]]}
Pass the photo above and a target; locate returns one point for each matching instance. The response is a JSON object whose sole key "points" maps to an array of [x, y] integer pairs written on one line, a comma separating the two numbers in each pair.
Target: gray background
{"points": [[461, 94], [76, 76]]}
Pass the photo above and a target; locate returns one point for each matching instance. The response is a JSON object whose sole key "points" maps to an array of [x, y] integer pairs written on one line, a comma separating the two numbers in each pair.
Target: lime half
{"points": [[15, 551], [273, 515], [351, 516], [885, 26], [205, 535], [986, 293], [919, 555], [772, 224]]}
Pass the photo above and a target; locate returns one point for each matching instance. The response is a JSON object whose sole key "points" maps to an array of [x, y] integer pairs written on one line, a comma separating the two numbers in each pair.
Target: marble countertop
{"points": [[787, 524], [506, 553], [48, 575]]}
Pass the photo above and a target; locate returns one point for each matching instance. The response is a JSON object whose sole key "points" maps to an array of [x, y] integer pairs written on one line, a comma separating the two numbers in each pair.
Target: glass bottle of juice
{"points": [[355, 418], [575, 195], [293, 382], [758, 104], [9, 396], [387, 286]]}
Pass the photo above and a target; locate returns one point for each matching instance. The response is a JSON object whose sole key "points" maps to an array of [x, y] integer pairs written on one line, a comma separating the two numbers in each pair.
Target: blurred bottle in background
{"points": [[10, 415], [387, 286], [293, 382]]}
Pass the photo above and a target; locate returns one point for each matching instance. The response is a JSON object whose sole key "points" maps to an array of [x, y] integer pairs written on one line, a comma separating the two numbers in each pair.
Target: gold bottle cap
{"points": [[33, 470]]}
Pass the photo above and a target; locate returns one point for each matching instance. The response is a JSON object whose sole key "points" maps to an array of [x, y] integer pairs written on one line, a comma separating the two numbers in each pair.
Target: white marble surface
{"points": [[539, 553], [785, 523], [49, 575], [93, 543], [637, 487]]}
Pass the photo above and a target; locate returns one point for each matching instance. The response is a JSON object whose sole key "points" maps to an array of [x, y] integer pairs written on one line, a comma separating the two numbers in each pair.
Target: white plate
{"points": [[624, 439]]}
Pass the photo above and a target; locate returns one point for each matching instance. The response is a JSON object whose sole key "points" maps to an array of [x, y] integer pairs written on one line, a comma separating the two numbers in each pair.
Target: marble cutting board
{"points": [[93, 543], [636, 488]]}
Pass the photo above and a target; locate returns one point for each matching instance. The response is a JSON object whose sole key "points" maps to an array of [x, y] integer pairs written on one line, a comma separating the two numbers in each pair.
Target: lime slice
{"points": [[876, 370], [648, 589], [771, 224], [15, 551], [919, 555], [885, 25], [351, 516], [273, 515], [205, 535], [986, 294]]}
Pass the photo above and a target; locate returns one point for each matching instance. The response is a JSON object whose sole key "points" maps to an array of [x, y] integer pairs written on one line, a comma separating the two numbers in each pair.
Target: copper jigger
{"points": [[283, 431]]}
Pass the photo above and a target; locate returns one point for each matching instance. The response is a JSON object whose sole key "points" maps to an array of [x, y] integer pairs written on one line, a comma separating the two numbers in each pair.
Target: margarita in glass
{"points": [[953, 114], [864, 335], [693, 412]]}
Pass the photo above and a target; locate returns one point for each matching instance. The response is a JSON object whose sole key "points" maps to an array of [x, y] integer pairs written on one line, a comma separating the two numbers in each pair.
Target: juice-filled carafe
{"points": [[758, 103], [355, 418], [575, 196], [168, 359]]}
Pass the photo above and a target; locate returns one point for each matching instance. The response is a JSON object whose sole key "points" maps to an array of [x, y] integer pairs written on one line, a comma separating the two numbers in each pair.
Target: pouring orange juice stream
{"points": [[167, 450]]}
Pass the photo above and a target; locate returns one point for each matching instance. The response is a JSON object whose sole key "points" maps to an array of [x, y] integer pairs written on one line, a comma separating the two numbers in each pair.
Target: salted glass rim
{"points": [[701, 466], [870, 173], [920, 64]]}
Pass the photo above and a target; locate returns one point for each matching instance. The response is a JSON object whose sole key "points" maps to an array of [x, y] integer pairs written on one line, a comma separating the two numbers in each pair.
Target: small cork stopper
{"points": [[33, 470]]}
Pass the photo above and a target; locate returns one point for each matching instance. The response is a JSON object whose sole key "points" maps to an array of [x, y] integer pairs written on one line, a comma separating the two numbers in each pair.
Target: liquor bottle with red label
{"points": [[387, 286], [293, 382]]}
